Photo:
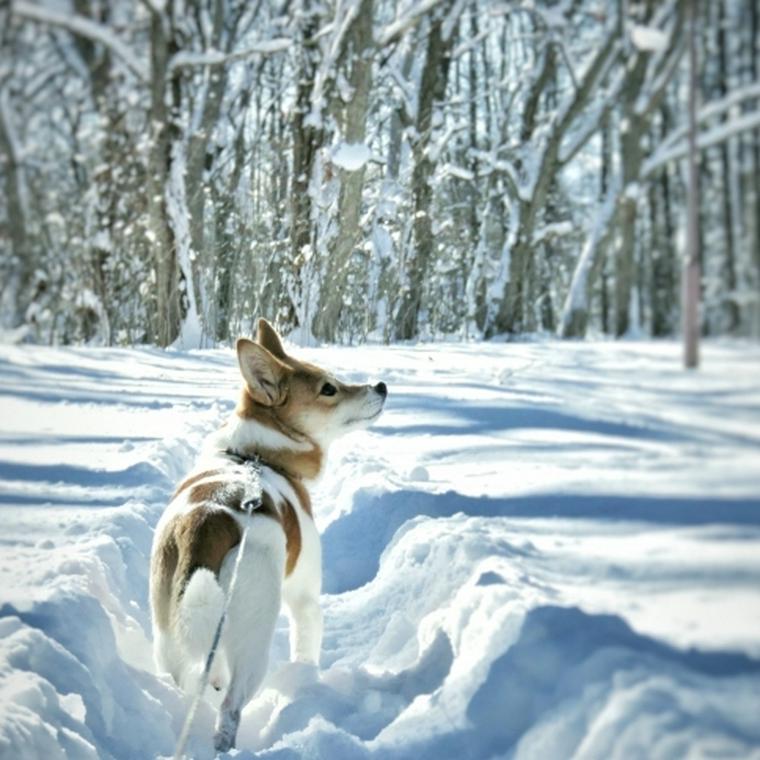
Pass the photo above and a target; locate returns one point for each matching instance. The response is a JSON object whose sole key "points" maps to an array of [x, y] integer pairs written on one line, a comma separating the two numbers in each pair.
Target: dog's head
{"points": [[301, 397]]}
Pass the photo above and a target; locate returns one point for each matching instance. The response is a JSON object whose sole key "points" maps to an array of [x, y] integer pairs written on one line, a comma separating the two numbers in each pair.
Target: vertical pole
{"points": [[691, 273]]}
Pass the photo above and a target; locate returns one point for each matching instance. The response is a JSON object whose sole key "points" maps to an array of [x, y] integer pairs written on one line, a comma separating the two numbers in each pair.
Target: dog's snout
{"points": [[382, 389]]}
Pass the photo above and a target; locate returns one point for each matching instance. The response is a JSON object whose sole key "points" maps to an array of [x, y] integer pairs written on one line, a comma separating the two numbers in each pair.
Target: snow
{"points": [[351, 156], [452, 170], [540, 550], [649, 39]]}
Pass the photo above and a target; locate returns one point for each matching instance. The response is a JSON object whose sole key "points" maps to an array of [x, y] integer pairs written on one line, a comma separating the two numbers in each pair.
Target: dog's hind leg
{"points": [[253, 610], [167, 654], [305, 629]]}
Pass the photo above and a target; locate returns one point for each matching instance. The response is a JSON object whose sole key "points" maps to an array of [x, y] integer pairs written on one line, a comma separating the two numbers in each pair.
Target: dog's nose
{"points": [[382, 389]]}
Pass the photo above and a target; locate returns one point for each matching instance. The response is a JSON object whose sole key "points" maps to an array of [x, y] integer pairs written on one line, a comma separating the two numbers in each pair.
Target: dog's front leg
{"points": [[305, 629]]}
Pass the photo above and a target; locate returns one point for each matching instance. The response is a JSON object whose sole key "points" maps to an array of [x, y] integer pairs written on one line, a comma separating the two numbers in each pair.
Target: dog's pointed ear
{"points": [[263, 373], [267, 336]]}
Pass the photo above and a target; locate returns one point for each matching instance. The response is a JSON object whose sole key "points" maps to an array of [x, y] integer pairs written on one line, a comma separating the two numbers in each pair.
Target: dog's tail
{"points": [[198, 614]]}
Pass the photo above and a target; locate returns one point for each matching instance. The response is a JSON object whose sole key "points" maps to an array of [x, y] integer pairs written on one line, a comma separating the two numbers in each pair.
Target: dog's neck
{"points": [[254, 430]]}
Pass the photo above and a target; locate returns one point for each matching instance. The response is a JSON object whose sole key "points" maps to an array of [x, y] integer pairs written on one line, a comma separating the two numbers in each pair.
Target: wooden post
{"points": [[691, 273]]}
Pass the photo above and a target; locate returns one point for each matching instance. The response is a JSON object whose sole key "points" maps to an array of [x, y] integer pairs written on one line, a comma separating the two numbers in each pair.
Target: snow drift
{"points": [[541, 550]]}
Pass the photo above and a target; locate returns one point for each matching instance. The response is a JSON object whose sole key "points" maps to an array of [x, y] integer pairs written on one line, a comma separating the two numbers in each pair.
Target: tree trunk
{"points": [[755, 77], [632, 133], [170, 309], [352, 116], [575, 314], [475, 291], [199, 160], [308, 137], [691, 278], [13, 292], [399, 120], [512, 313], [432, 91], [227, 243], [664, 278], [108, 192], [729, 268]]}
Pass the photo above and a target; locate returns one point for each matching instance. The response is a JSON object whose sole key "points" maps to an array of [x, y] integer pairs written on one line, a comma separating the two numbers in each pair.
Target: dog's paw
{"points": [[226, 730], [223, 742]]}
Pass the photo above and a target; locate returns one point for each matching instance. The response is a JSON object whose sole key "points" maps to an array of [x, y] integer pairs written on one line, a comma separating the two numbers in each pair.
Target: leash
{"points": [[249, 504]]}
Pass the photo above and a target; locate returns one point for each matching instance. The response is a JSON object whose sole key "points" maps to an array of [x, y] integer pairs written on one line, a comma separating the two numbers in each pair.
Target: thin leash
{"points": [[249, 505]]}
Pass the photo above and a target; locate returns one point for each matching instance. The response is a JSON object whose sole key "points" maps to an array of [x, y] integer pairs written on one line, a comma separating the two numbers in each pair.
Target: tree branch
{"points": [[188, 59]]}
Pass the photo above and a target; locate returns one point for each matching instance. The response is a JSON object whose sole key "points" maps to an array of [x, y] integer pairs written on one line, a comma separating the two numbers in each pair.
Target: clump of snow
{"points": [[351, 156], [649, 39], [419, 473], [566, 563]]}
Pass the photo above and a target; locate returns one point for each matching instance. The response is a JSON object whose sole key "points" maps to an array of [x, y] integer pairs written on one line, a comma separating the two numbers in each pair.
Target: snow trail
{"points": [[540, 549]]}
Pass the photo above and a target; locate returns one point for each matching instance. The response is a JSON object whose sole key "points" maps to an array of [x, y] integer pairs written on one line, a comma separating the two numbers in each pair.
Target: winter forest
{"points": [[373, 169]]}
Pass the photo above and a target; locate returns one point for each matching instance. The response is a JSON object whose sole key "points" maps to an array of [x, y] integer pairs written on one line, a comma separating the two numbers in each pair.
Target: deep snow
{"points": [[540, 550]]}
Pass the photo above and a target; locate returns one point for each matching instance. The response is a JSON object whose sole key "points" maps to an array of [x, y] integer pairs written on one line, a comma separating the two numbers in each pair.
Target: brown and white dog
{"points": [[289, 412]]}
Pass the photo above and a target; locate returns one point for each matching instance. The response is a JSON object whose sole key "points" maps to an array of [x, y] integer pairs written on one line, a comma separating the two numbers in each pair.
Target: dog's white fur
{"points": [[181, 647]]}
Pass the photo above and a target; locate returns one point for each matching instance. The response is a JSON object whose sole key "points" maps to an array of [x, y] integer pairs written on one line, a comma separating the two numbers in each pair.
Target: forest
{"points": [[373, 170]]}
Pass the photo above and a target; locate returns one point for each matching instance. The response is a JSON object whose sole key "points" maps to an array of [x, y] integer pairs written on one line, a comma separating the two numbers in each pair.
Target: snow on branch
{"points": [[674, 146], [649, 39], [83, 27], [711, 110], [551, 231], [715, 136], [351, 156], [186, 59]]}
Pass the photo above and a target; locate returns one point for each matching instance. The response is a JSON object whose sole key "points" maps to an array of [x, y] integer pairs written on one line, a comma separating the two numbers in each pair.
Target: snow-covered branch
{"points": [[82, 27], [188, 59], [715, 136], [713, 109]]}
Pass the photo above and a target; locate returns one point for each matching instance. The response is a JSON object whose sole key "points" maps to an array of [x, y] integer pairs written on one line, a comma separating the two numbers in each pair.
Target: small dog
{"points": [[288, 414]]}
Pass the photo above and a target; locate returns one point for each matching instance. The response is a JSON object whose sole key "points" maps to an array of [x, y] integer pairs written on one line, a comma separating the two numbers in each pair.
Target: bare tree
{"points": [[691, 275]]}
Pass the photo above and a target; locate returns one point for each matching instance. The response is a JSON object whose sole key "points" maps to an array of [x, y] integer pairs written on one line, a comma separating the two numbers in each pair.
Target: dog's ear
{"points": [[267, 336], [263, 373]]}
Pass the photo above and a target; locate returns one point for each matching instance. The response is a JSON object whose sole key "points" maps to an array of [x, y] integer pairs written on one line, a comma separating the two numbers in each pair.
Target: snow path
{"points": [[541, 550]]}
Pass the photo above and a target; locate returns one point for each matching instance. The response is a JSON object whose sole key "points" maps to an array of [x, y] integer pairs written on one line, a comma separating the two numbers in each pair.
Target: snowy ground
{"points": [[541, 550]]}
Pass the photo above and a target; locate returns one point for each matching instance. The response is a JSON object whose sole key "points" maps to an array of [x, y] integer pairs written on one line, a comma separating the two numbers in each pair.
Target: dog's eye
{"points": [[328, 390]]}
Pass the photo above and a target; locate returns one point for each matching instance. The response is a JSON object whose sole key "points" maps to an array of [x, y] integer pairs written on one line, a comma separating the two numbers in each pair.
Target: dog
{"points": [[288, 414]]}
